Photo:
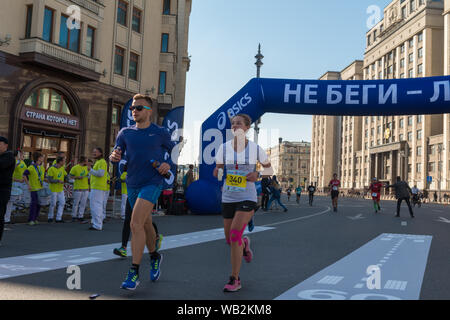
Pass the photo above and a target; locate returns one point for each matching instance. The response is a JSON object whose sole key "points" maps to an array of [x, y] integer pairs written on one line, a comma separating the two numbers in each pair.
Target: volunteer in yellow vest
{"points": [[123, 179], [18, 182], [80, 174], [56, 175], [62, 155], [98, 176], [106, 192], [34, 178]]}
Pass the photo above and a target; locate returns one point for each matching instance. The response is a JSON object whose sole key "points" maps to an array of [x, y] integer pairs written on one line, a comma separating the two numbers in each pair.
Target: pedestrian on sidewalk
{"points": [[17, 183], [80, 173], [275, 190], [56, 176], [98, 176], [7, 165], [402, 192], [34, 177]]}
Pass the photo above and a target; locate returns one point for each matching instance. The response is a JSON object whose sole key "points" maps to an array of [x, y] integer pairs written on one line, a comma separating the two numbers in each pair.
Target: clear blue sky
{"points": [[300, 39]]}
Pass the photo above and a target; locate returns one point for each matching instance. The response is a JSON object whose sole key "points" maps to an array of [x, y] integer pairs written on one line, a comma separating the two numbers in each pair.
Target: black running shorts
{"points": [[334, 194], [229, 209]]}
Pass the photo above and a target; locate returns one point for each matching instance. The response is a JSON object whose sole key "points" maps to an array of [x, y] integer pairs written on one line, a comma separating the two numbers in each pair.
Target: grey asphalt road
{"points": [[302, 242]]}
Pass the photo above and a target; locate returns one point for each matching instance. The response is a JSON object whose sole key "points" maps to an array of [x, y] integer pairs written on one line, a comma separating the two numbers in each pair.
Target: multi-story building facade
{"points": [[291, 162], [67, 68], [412, 40], [350, 134], [325, 146], [407, 43]]}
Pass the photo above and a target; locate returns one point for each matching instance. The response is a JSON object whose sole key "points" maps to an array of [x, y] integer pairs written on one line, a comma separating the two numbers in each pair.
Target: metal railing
{"points": [[60, 53]]}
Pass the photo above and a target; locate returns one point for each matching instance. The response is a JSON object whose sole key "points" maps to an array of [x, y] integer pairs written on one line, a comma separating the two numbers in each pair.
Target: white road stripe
{"points": [[35, 263], [411, 270]]}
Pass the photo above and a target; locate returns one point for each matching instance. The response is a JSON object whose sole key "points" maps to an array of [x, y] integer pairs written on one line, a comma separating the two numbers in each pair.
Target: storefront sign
{"points": [[50, 118]]}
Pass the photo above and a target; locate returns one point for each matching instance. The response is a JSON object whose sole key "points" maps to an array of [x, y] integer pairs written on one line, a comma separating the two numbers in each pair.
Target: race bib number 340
{"points": [[236, 181]]}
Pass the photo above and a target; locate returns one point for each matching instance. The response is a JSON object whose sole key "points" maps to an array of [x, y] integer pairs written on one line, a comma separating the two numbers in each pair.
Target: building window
{"points": [[165, 42], [402, 122], [368, 40], [412, 5], [404, 12], [122, 12], [402, 63], [419, 118], [420, 69], [411, 58], [166, 7], [115, 116], [419, 134], [431, 166], [409, 136], [411, 73], [48, 99], [134, 65], [118, 60], [402, 48], [29, 20], [419, 151], [410, 121], [401, 137], [418, 167], [420, 53], [162, 82], [69, 39], [136, 23], [47, 32], [90, 40]]}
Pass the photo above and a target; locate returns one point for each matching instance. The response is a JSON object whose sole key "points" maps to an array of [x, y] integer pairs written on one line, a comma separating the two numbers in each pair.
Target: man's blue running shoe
{"points": [[155, 265], [251, 225], [132, 280]]}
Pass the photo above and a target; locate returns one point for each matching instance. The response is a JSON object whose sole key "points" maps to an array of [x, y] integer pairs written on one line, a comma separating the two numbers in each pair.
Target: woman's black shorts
{"points": [[229, 209]]}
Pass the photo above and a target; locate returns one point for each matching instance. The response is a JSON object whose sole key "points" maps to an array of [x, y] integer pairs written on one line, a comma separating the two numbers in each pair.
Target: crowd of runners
{"points": [[142, 183]]}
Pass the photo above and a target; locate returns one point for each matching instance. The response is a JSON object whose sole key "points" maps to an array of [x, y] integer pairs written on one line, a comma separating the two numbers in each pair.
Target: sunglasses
{"points": [[139, 108]]}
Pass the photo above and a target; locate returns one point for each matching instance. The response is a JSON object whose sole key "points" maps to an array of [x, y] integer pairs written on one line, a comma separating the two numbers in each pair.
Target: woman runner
{"points": [[239, 157]]}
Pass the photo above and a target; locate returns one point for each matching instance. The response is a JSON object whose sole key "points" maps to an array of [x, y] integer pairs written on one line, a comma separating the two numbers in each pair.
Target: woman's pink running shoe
{"points": [[248, 253], [233, 285]]}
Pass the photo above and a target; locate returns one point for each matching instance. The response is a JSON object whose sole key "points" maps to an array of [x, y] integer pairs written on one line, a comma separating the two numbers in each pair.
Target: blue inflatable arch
{"points": [[311, 97]]}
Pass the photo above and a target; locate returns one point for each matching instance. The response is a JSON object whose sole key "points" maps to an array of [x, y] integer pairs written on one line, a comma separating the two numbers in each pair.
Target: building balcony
{"points": [[95, 6], [165, 99], [167, 57], [38, 51], [169, 20]]}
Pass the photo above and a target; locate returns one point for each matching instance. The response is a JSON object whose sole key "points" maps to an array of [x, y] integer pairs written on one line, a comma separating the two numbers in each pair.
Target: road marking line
{"points": [[297, 219], [35, 263], [83, 260], [43, 256], [352, 266]]}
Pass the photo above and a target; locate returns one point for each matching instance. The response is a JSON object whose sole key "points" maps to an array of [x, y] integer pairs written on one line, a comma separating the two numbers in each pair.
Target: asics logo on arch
{"points": [[237, 108]]}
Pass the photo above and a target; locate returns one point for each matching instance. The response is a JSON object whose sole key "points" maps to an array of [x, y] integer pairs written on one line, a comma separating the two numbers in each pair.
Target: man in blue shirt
{"points": [[144, 143]]}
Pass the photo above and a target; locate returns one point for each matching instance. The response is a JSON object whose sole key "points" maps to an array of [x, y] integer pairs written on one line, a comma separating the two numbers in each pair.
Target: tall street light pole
{"points": [[258, 64]]}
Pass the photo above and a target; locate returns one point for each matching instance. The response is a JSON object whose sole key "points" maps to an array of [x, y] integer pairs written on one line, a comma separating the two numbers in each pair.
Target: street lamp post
{"points": [[258, 64]]}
